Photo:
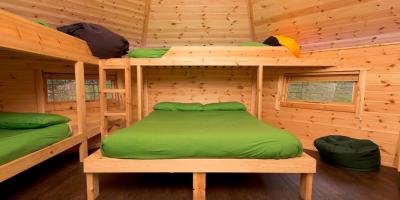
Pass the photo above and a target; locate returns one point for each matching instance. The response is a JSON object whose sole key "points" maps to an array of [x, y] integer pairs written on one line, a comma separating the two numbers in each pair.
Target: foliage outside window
{"points": [[62, 88], [320, 91]]}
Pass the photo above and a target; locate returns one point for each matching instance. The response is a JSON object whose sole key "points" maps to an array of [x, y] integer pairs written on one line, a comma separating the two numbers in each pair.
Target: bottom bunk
{"points": [[27, 139]]}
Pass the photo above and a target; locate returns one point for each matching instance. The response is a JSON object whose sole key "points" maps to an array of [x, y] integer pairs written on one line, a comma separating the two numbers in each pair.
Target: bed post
{"points": [[306, 181], [199, 186], [81, 108], [259, 90], [92, 186], [139, 78]]}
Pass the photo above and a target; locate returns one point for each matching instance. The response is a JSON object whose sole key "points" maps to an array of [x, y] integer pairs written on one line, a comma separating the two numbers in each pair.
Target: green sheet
{"points": [[201, 134], [148, 52], [15, 143]]}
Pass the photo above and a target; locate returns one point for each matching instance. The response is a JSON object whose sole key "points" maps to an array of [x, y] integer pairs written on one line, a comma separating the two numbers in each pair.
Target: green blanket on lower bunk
{"points": [[201, 134], [15, 143]]}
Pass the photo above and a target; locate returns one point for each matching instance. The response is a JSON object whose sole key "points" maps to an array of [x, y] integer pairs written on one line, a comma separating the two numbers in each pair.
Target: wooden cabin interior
{"points": [[314, 114]]}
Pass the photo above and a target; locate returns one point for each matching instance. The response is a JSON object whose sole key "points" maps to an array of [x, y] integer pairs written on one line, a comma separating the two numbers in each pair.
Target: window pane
{"points": [[325, 92], [60, 90]]}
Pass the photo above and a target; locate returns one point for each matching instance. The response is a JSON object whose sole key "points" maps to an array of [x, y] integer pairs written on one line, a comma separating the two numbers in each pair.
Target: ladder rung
{"points": [[107, 114], [113, 67], [113, 91]]}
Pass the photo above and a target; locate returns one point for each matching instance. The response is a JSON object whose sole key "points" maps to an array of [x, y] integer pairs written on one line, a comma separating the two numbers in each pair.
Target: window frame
{"points": [[71, 76], [353, 107]]}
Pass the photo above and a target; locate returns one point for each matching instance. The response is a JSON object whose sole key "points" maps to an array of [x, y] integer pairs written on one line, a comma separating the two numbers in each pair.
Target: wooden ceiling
{"points": [[316, 24], [320, 24]]}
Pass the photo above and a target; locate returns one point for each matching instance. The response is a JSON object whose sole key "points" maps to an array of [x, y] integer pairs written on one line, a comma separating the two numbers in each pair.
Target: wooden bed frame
{"points": [[26, 40], [257, 57]]}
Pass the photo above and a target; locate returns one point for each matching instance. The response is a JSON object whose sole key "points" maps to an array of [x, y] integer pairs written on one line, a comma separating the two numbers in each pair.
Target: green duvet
{"points": [[15, 143], [201, 134]]}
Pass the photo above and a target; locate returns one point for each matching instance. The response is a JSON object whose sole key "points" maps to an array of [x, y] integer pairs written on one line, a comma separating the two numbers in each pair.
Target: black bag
{"points": [[102, 42], [349, 153]]}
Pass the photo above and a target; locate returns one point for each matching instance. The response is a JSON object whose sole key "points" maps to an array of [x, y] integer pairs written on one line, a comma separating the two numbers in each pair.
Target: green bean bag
{"points": [[349, 153]]}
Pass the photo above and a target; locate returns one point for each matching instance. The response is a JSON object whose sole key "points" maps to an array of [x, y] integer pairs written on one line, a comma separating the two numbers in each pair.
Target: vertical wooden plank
{"points": [[92, 186], [259, 90], [279, 92], [139, 77], [146, 22], [251, 19], [81, 107], [362, 81], [306, 181], [128, 93], [199, 186], [103, 99], [253, 100], [39, 87], [145, 95]]}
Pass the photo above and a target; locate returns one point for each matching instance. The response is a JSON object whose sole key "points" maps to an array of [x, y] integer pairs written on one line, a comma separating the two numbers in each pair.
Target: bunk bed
{"points": [[23, 39], [256, 58]]}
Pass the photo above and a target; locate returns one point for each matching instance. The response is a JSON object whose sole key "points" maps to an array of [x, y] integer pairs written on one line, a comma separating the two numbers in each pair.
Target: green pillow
{"points": [[252, 44], [224, 106], [12, 120], [175, 106], [148, 52]]}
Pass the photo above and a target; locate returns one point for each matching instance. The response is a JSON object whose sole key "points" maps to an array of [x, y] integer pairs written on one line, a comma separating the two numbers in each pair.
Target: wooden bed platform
{"points": [[23, 39], [198, 57], [96, 164]]}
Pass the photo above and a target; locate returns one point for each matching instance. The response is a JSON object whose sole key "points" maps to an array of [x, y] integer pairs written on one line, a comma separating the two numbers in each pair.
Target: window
{"points": [[61, 87], [323, 91]]}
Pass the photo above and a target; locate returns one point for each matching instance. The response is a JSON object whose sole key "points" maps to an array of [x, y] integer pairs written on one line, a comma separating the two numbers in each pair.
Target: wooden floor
{"points": [[62, 178]]}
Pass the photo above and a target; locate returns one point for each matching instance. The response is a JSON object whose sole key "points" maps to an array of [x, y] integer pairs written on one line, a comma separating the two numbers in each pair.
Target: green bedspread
{"points": [[15, 143], [201, 134]]}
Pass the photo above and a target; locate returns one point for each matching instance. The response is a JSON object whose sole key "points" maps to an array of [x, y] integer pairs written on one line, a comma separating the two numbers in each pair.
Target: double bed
{"points": [[193, 139]]}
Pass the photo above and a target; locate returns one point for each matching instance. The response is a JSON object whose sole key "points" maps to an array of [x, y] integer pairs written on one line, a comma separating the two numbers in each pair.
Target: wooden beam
{"points": [[199, 186], [92, 186], [128, 93], [145, 29], [103, 100], [39, 87], [306, 181], [260, 78], [81, 108], [139, 78], [251, 19], [96, 163]]}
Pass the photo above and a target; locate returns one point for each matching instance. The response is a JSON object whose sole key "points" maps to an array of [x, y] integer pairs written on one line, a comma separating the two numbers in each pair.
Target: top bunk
{"points": [[226, 56], [25, 39]]}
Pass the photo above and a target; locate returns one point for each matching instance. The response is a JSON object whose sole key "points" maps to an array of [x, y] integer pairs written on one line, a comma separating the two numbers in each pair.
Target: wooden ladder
{"points": [[104, 65]]}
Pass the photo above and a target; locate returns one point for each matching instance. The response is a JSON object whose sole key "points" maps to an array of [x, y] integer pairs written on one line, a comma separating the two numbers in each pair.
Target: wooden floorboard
{"points": [[62, 178]]}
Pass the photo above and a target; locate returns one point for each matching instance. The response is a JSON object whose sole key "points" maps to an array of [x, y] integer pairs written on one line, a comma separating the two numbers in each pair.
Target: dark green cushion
{"points": [[148, 52], [175, 106], [350, 153], [224, 106], [12, 120]]}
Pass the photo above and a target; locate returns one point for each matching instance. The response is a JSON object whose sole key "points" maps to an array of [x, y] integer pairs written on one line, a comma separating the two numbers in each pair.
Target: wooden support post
{"points": [[81, 108], [139, 78], [103, 99], [128, 93], [199, 186], [306, 181], [39, 87], [259, 91], [92, 186]]}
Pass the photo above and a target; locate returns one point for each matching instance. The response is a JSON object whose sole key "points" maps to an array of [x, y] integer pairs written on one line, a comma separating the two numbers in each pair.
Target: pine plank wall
{"points": [[323, 26]]}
